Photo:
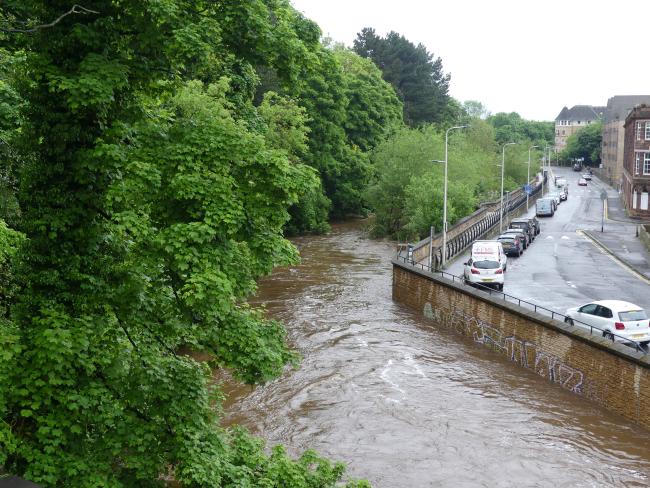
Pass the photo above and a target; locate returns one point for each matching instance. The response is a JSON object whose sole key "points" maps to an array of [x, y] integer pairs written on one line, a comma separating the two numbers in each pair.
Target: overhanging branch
{"points": [[76, 9]]}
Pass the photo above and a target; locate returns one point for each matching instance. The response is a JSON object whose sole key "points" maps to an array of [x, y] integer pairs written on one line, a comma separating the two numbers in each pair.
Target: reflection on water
{"points": [[407, 404]]}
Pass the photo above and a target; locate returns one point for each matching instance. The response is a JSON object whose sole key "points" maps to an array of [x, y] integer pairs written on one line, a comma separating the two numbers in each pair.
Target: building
{"points": [[617, 109], [570, 121], [636, 161]]}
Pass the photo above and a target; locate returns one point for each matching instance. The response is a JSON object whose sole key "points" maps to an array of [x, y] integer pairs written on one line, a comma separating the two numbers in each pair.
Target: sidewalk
{"points": [[619, 238]]}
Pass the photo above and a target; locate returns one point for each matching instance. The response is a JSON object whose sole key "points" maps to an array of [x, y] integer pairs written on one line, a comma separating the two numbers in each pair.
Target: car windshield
{"points": [[506, 239], [632, 315], [486, 264]]}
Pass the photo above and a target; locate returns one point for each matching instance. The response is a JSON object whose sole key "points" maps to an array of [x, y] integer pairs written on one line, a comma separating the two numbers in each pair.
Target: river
{"points": [[407, 404]]}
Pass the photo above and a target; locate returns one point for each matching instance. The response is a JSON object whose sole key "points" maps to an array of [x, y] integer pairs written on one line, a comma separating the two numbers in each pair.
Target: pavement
{"points": [[619, 237]]}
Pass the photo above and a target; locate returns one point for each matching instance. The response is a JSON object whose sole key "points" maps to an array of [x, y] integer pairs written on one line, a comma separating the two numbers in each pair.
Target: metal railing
{"points": [[523, 303]]}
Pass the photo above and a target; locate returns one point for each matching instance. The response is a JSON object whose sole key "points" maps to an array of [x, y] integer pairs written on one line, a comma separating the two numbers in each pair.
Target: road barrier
{"points": [[468, 229]]}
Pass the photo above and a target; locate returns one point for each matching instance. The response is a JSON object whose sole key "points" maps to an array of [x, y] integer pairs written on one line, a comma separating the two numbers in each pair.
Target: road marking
{"points": [[565, 237], [549, 237], [622, 264]]}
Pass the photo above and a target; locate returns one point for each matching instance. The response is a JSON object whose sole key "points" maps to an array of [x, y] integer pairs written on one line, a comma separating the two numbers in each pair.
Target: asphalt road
{"points": [[562, 268]]}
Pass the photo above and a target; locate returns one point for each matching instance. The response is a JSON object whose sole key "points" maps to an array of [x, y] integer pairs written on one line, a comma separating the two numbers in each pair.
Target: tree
{"points": [[586, 143], [417, 76], [151, 202]]}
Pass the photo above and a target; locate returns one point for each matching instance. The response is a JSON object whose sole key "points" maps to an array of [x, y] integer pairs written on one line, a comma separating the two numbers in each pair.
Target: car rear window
{"points": [[518, 225], [486, 264], [506, 239], [632, 315]]}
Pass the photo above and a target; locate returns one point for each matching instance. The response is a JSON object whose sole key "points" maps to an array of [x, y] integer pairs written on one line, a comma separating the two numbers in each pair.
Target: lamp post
{"points": [[528, 180], [503, 165], [444, 202]]}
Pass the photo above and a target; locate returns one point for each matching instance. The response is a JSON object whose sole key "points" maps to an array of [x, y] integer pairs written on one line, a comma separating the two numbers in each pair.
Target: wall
{"points": [[612, 375]]}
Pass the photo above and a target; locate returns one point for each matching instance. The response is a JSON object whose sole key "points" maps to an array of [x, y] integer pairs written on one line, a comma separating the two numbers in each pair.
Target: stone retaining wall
{"points": [[612, 375]]}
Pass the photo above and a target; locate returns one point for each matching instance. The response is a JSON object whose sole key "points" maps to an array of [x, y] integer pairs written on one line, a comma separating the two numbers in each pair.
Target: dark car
{"points": [[512, 244], [526, 225], [522, 234], [577, 167]]}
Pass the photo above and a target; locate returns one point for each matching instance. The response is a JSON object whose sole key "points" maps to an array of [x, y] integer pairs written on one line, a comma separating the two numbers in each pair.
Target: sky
{"points": [[520, 56]]}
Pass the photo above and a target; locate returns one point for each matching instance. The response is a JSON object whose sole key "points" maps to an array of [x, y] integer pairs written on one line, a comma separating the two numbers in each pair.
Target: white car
{"points": [[615, 319], [486, 265], [488, 272], [587, 176], [555, 195]]}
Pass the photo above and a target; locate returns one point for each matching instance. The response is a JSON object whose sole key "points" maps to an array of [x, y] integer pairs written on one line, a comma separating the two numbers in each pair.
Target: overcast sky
{"points": [[513, 55]]}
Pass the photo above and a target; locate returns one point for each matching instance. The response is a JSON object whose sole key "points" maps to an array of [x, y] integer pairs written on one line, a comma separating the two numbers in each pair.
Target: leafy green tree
{"points": [[417, 76], [151, 203], [586, 143], [373, 110]]}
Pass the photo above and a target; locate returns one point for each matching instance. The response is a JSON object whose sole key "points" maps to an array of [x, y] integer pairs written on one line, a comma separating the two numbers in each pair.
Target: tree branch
{"points": [[76, 9]]}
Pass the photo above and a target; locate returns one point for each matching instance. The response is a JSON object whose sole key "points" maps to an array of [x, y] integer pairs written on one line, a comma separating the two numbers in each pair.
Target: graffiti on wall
{"points": [[525, 353]]}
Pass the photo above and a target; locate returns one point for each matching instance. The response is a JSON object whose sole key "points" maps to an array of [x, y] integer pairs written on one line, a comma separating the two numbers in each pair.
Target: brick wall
{"points": [[612, 375]]}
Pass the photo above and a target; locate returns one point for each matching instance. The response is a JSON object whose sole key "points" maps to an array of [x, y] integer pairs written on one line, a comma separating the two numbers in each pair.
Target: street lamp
{"points": [[444, 202], [503, 165], [528, 180]]}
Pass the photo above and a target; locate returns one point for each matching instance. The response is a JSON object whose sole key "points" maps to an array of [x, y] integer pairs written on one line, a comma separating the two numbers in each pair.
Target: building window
{"points": [[646, 163], [637, 163], [557, 132], [638, 131], [647, 131]]}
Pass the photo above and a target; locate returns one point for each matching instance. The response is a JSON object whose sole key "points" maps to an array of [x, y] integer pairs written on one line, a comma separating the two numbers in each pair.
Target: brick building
{"points": [[636, 162], [570, 121], [617, 109]]}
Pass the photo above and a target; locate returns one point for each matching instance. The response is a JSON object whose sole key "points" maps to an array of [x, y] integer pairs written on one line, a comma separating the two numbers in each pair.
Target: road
{"points": [[563, 268]]}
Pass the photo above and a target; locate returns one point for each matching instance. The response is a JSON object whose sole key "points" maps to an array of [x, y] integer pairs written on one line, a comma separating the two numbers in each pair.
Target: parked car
{"points": [[582, 182], [525, 224], [564, 194], [555, 195], [545, 207], [587, 176], [487, 272], [627, 321], [487, 264], [512, 244], [521, 234]]}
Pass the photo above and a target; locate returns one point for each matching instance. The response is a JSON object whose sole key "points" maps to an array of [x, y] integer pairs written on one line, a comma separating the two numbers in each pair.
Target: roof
{"points": [[619, 106], [618, 305], [581, 112]]}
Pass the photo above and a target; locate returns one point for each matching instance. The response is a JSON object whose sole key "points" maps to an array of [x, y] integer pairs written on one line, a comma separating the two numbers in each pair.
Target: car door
{"points": [[586, 315], [603, 318]]}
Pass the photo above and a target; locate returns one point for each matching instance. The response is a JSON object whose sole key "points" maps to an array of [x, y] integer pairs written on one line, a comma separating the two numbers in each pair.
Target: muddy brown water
{"points": [[406, 404]]}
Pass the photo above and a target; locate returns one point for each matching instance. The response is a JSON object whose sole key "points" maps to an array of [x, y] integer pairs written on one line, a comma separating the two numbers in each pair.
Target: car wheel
{"points": [[608, 335], [568, 320], [500, 287], [644, 343], [519, 252]]}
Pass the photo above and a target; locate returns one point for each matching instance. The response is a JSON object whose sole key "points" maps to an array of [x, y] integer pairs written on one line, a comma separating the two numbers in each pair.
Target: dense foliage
{"points": [[511, 127], [150, 194], [585, 144], [417, 77], [407, 191]]}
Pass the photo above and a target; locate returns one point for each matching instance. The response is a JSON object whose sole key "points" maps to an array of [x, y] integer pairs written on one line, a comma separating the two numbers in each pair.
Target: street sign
{"points": [[528, 189]]}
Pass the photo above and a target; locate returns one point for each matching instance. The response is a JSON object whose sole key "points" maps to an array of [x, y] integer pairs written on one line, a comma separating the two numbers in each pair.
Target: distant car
{"points": [[521, 234], [526, 225], [615, 319], [587, 176], [577, 167], [544, 206], [512, 244], [582, 182], [555, 195]]}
